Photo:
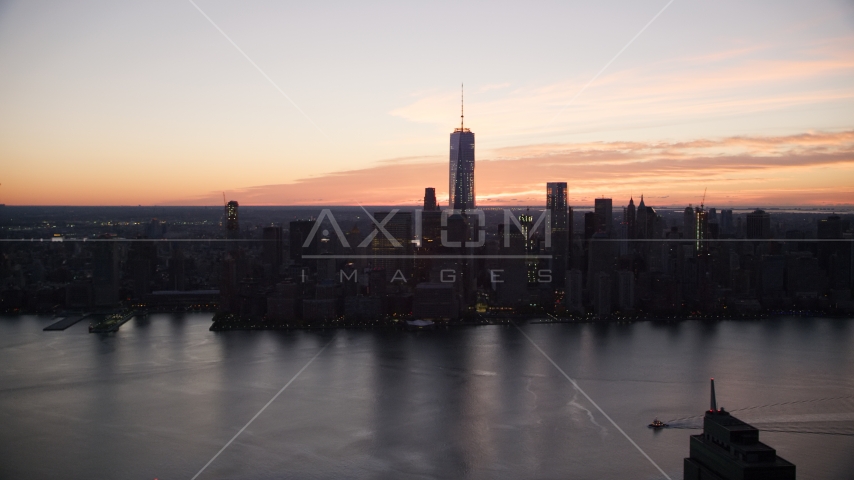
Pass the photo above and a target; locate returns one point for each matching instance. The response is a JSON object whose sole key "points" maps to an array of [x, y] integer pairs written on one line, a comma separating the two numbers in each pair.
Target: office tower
{"points": [[512, 290], [142, 266], [600, 294], [728, 448], [232, 226], [272, 248], [688, 223], [713, 215], [642, 220], [105, 271], [177, 268], [622, 234], [430, 204], [589, 225], [297, 234], [758, 225], [630, 218], [625, 290], [726, 221], [530, 241], [154, 229], [556, 204], [701, 229], [386, 253], [228, 286], [461, 175], [831, 228], [604, 215], [574, 303], [601, 257]]}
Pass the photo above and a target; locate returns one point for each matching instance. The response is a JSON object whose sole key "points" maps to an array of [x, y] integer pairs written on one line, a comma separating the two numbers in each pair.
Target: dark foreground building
{"points": [[729, 449]]}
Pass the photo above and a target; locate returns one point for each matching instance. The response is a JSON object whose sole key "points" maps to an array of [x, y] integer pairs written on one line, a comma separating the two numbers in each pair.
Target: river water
{"points": [[162, 396]]}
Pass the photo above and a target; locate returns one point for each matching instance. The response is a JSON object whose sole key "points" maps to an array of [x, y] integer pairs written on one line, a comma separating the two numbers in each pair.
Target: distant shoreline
{"points": [[401, 324]]}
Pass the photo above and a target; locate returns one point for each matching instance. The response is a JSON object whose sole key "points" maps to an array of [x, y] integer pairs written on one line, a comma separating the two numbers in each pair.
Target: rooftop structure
{"points": [[729, 449]]}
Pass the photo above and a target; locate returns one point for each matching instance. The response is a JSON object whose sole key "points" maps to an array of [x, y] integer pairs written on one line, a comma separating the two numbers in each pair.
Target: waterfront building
{"points": [[625, 290], [557, 207], [435, 301], [105, 271], [272, 249], [729, 449], [573, 296]]}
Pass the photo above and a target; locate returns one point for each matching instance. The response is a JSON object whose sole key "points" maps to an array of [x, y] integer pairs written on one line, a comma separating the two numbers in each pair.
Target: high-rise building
{"points": [[625, 290], [701, 229], [430, 204], [688, 223], [758, 225], [630, 218], [603, 207], [589, 225], [574, 287], [388, 256], [531, 242], [556, 204], [105, 271], [298, 232], [728, 448], [272, 249], [713, 215], [461, 174], [177, 268], [726, 221], [232, 226]]}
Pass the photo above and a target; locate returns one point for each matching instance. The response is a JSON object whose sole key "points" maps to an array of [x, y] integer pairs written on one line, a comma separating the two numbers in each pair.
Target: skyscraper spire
{"points": [[462, 111], [714, 405]]}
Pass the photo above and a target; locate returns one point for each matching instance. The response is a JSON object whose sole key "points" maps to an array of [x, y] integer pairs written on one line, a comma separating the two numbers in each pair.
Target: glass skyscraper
{"points": [[461, 175]]}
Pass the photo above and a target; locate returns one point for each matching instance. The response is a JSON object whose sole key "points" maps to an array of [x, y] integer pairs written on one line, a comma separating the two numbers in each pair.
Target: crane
{"points": [[703, 201]]}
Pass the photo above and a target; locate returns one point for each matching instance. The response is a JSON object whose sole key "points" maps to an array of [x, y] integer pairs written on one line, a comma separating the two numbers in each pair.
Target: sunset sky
{"points": [[126, 103]]}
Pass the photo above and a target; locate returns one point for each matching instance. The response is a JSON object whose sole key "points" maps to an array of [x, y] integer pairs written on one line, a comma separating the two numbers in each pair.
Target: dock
{"points": [[65, 322], [111, 322]]}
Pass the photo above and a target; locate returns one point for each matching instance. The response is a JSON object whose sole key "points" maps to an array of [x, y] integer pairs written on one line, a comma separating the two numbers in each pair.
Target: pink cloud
{"points": [[807, 168]]}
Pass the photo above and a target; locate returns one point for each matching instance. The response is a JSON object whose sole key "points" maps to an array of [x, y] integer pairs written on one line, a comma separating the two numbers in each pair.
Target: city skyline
{"points": [[153, 104]]}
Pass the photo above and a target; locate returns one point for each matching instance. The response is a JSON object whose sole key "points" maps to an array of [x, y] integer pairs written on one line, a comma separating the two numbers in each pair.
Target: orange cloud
{"points": [[808, 168]]}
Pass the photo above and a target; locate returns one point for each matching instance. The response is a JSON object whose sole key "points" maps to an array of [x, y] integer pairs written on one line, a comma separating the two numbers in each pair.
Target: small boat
{"points": [[657, 424]]}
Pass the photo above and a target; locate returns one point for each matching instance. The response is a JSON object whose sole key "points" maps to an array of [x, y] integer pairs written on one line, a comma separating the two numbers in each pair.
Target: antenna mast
{"points": [[462, 110]]}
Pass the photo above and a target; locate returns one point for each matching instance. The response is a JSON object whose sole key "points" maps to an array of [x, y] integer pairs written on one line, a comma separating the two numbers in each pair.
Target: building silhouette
{"points": [[430, 203], [389, 254], [758, 225], [272, 249], [298, 232], [630, 218], [105, 271], [557, 207], [729, 449], [232, 224], [461, 174], [603, 208]]}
